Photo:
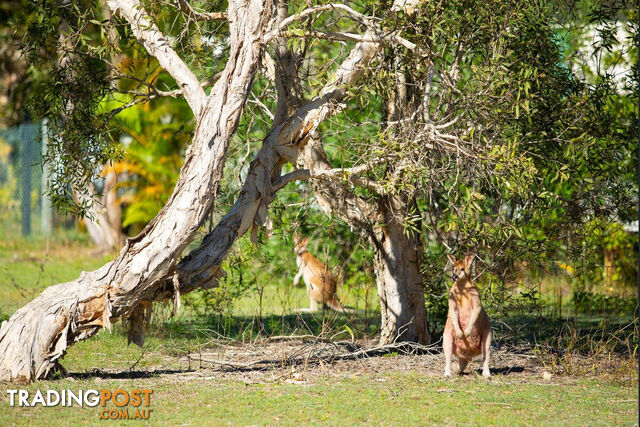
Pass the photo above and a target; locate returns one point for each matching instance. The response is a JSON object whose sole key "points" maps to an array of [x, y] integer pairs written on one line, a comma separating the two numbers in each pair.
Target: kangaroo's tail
{"points": [[335, 304]]}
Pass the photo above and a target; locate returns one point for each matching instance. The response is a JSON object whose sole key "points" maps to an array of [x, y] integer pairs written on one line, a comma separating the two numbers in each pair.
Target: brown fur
{"points": [[321, 283], [467, 333]]}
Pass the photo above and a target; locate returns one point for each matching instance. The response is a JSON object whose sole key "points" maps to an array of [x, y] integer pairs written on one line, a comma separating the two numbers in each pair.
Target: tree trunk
{"points": [[396, 265], [104, 220], [38, 334], [399, 279], [397, 251]]}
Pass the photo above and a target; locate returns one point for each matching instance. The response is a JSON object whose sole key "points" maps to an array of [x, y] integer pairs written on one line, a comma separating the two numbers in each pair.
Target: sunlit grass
{"points": [[371, 399]]}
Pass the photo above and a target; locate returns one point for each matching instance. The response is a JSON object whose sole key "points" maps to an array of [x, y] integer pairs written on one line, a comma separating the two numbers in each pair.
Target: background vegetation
{"points": [[543, 201]]}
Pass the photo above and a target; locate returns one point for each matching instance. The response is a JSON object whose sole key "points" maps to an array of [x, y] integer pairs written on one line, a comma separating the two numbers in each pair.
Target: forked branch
{"points": [[158, 46]]}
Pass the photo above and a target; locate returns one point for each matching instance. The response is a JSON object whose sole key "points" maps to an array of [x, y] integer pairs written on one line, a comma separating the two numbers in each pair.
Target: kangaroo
{"points": [[467, 332], [321, 283]]}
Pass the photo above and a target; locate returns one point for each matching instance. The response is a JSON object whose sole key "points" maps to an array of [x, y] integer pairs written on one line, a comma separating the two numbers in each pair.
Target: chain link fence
{"points": [[24, 207]]}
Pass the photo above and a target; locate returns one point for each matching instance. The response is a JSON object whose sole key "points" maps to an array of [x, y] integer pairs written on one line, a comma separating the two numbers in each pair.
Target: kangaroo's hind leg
{"points": [[313, 304], [447, 348], [486, 350]]}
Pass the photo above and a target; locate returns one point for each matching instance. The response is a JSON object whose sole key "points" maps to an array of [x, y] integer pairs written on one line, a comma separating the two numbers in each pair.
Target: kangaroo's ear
{"points": [[304, 242], [452, 259], [468, 260]]}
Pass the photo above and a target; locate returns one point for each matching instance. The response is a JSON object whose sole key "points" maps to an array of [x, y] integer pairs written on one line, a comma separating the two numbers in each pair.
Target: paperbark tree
{"points": [[398, 276], [147, 269], [449, 119], [396, 252], [38, 334]]}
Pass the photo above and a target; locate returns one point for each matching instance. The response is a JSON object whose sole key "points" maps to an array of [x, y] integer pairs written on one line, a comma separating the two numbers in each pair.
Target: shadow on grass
{"points": [[503, 371], [331, 336], [522, 332], [325, 324], [517, 333], [125, 375]]}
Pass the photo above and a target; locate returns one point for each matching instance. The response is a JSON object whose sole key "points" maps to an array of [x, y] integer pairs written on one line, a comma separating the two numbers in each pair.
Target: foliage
{"points": [[588, 302], [76, 57], [221, 300], [619, 248], [154, 136], [511, 143], [508, 150], [8, 184], [65, 52]]}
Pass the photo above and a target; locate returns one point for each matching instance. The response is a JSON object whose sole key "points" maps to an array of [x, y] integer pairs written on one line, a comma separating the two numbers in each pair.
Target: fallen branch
{"points": [[406, 348]]}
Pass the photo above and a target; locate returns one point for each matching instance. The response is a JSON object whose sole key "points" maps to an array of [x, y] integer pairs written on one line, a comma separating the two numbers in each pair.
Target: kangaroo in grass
{"points": [[467, 332], [321, 283]]}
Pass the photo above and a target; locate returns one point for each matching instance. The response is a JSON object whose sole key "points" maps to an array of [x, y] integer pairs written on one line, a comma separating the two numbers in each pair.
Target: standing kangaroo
{"points": [[467, 332], [321, 283]]}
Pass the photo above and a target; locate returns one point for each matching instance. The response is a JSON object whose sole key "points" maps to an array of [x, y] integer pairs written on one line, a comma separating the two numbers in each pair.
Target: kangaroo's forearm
{"points": [[296, 279], [474, 316], [453, 315]]}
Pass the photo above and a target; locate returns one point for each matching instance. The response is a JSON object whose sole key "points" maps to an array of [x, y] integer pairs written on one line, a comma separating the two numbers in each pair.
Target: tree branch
{"points": [[202, 266], [364, 19], [296, 175], [332, 195], [185, 7], [335, 173], [153, 93], [374, 34], [352, 37], [341, 175], [158, 46]]}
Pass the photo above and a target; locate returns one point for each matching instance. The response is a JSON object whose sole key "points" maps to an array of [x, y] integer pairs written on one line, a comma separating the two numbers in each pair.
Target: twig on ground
{"points": [[320, 355]]}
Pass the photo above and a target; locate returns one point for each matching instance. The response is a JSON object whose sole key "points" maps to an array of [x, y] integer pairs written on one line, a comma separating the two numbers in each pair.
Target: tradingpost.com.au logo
{"points": [[136, 400]]}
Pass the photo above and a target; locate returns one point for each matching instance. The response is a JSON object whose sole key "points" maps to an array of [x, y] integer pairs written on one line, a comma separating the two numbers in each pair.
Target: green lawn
{"points": [[382, 399], [28, 266], [400, 397]]}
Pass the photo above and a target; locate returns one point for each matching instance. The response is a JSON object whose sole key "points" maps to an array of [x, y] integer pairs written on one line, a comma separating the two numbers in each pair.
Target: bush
{"points": [[588, 302]]}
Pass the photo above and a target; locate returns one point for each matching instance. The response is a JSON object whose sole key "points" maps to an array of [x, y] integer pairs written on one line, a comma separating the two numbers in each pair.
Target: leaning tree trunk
{"points": [[399, 279], [38, 334]]}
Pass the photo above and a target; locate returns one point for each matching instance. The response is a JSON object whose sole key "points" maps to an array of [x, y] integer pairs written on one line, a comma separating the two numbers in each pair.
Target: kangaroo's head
{"points": [[461, 268], [300, 244]]}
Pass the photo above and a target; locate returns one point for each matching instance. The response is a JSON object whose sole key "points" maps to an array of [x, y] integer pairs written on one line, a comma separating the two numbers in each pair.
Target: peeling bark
{"points": [[399, 279], [38, 334], [396, 255]]}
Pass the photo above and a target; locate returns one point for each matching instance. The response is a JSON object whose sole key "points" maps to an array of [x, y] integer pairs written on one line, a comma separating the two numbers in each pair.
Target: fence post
{"points": [[46, 209], [25, 199]]}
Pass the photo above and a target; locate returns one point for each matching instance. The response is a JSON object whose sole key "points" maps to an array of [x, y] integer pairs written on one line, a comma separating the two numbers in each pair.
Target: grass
{"points": [[380, 399], [28, 266], [355, 397]]}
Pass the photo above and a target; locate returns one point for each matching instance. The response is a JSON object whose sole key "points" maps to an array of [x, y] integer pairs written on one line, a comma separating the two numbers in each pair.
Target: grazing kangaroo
{"points": [[467, 332], [321, 283]]}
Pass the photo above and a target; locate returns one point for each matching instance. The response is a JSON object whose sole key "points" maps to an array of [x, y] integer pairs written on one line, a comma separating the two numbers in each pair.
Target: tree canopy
{"points": [[426, 127]]}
